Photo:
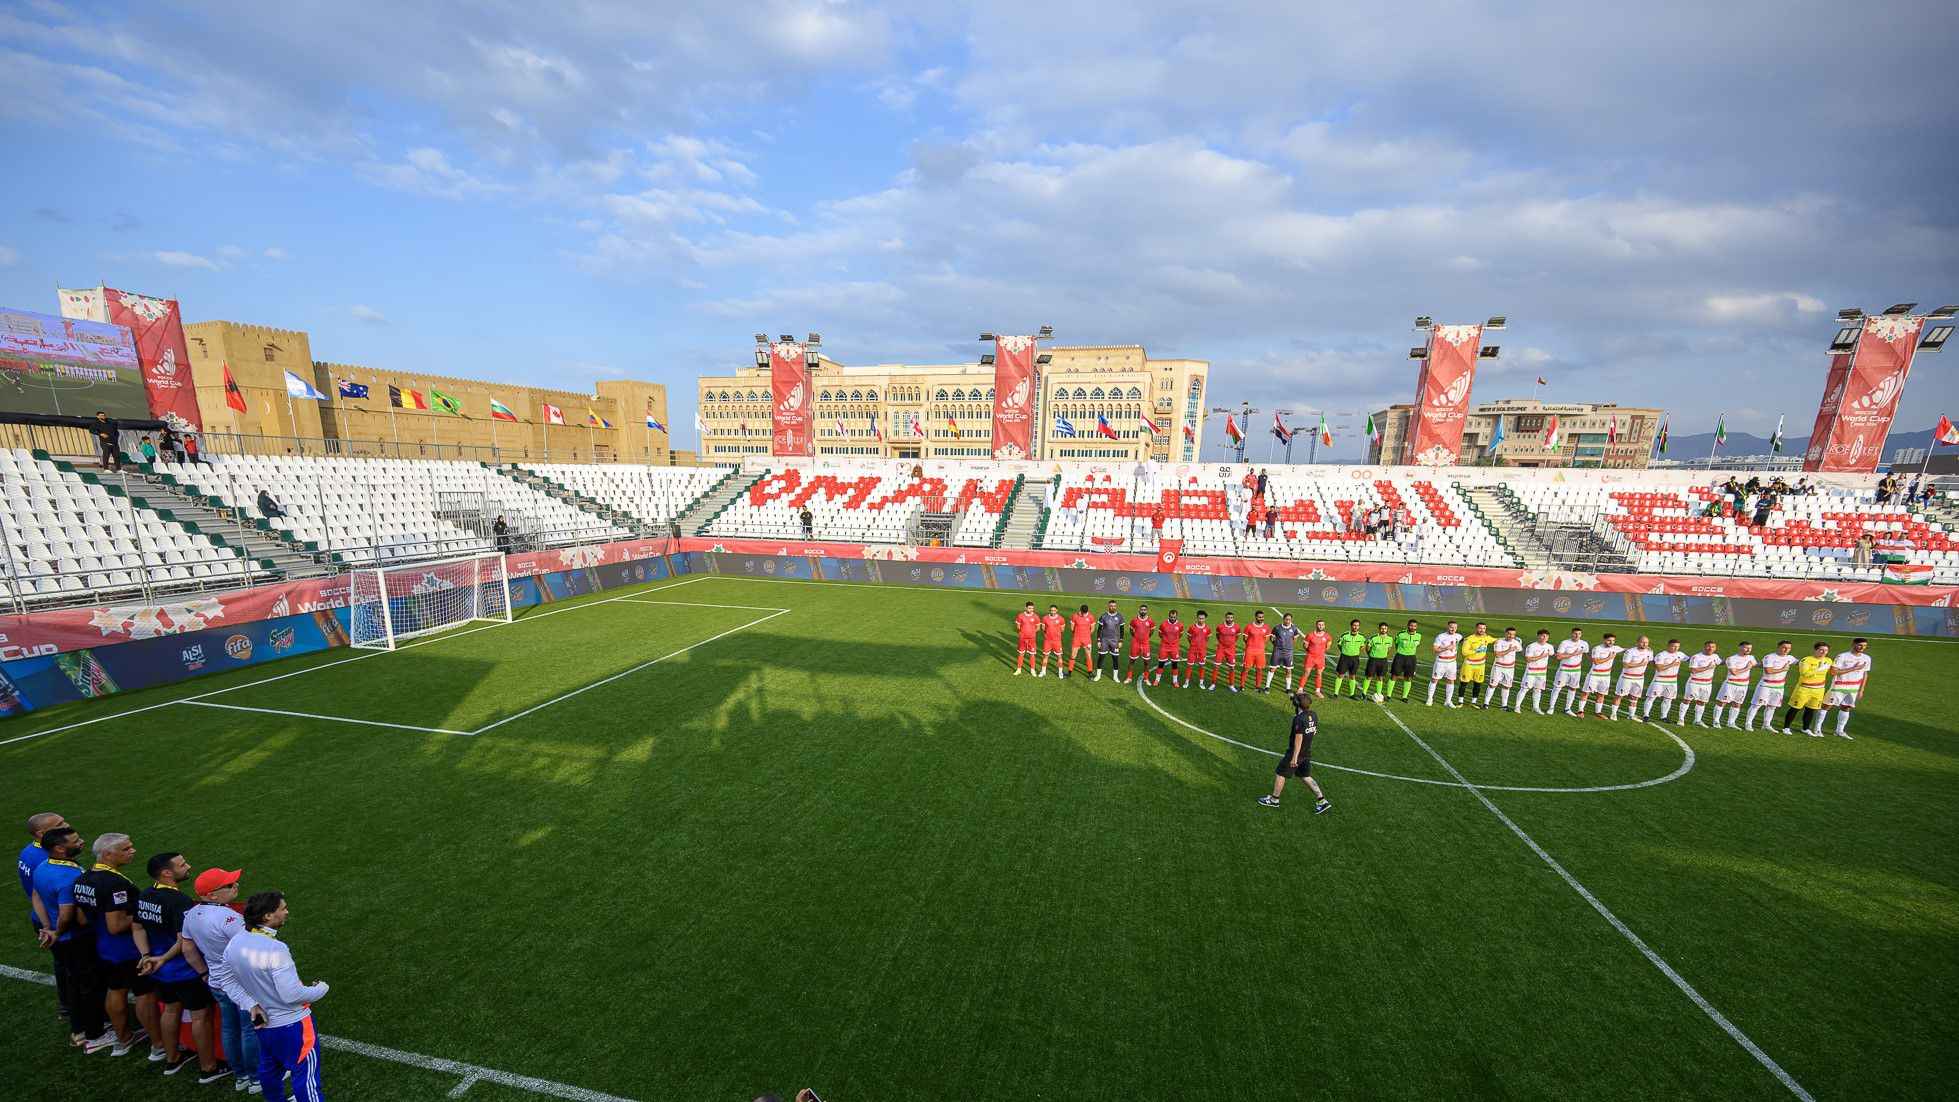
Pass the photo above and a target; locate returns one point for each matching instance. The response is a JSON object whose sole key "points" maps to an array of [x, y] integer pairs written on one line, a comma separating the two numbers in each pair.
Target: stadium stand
{"points": [[870, 505], [655, 496]]}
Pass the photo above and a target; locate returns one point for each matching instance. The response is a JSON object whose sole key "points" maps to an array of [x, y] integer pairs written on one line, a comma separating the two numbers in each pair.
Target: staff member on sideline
{"points": [[31, 857], [263, 979], [73, 945], [160, 911], [108, 897], [1297, 761], [208, 928]]}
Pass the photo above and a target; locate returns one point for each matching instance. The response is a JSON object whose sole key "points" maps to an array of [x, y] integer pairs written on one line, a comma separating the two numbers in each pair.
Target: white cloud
{"points": [[230, 252], [179, 259], [9, 256], [424, 171], [1765, 307], [276, 253], [368, 315]]}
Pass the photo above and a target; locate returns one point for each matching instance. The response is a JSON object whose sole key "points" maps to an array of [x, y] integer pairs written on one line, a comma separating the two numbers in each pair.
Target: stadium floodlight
{"points": [[1044, 359], [1046, 333], [1489, 352], [814, 339], [1935, 339], [988, 337], [811, 358], [986, 360], [787, 339], [1846, 338], [1497, 322], [761, 338], [1902, 308], [1418, 353], [1424, 323], [1944, 312], [1852, 314], [761, 357]]}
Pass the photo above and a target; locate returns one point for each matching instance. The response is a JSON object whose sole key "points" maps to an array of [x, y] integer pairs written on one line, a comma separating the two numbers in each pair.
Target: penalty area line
{"points": [[470, 1073], [1605, 912], [330, 719]]}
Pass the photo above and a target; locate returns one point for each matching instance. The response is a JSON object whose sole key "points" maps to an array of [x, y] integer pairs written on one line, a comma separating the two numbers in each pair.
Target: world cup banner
{"points": [[1827, 411], [1871, 389], [1442, 399], [158, 328], [1013, 397], [791, 414]]}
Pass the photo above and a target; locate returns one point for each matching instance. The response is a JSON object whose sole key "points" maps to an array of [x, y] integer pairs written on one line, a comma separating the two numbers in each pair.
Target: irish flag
{"points": [[500, 412], [1231, 429], [1552, 437]]}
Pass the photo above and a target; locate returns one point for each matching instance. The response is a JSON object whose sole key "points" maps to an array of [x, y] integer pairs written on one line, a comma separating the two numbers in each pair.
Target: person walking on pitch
{"points": [[1346, 668], [1380, 662], [1108, 642], [1537, 667], [1297, 761], [1503, 668], [1407, 657], [1443, 672]]}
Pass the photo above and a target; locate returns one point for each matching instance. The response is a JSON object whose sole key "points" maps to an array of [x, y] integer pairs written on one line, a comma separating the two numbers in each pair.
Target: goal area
{"points": [[391, 604]]}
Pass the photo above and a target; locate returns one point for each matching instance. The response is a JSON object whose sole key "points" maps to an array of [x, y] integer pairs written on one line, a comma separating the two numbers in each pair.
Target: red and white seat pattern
{"points": [[864, 506]]}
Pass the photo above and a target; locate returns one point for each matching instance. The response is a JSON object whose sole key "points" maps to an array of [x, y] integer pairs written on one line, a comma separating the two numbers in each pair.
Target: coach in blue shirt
{"points": [[73, 947], [31, 856]]}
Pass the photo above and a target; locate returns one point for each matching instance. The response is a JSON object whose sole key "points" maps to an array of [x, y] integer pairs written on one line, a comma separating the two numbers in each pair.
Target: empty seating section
{"points": [[656, 495], [862, 505], [371, 510], [1684, 530], [1313, 518], [67, 538]]}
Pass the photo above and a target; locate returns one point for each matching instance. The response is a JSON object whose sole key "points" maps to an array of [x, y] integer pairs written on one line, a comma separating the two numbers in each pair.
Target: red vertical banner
{"points": [[1013, 397], [1442, 400], [791, 433], [1827, 412], [1871, 388], [158, 327]]}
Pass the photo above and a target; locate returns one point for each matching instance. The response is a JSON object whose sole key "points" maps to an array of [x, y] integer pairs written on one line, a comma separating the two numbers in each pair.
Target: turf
{"points": [[842, 846]]}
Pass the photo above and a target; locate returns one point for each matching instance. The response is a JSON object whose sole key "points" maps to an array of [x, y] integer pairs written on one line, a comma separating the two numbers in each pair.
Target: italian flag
{"points": [[1552, 437], [1231, 429], [1721, 432], [500, 412], [1326, 434], [1373, 430]]}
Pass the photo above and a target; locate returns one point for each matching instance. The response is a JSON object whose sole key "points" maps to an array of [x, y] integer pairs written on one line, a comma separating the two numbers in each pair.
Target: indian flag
{"points": [[1552, 437], [500, 412]]}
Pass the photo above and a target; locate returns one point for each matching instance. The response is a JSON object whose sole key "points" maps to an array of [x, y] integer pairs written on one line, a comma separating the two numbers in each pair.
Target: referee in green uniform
{"points": [[1380, 654], [1407, 645], [1347, 667]]}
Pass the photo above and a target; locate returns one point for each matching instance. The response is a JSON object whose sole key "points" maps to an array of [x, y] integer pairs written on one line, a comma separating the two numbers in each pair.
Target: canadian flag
{"points": [[553, 415], [1946, 433]]}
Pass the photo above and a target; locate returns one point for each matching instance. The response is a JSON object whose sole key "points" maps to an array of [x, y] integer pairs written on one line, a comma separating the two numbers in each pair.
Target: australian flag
{"points": [[351, 389], [1062, 427]]}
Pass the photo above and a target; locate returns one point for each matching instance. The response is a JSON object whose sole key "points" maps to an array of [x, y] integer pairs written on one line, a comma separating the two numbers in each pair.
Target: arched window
{"points": [[856, 395], [1061, 394], [941, 396], [1096, 394], [870, 395], [989, 394], [823, 397], [1135, 394], [1081, 395]]}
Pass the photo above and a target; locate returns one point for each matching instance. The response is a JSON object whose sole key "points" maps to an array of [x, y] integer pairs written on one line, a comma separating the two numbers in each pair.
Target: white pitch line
{"points": [[623, 673], [702, 604], [1645, 950], [471, 1073], [331, 719], [86, 722]]}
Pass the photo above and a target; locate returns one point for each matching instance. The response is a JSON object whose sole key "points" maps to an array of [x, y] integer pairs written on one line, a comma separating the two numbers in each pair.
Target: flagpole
{"points": [[1719, 421], [435, 430], [394, 433], [292, 420], [339, 411]]}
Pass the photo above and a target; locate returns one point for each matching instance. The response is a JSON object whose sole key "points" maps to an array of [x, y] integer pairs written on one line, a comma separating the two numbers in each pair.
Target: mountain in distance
{"points": [[1685, 448]]}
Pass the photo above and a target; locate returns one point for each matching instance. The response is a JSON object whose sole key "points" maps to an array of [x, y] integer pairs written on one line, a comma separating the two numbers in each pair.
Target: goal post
{"points": [[390, 604]]}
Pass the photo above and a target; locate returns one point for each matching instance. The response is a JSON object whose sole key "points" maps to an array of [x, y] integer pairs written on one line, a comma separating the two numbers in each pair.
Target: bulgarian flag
{"points": [[1663, 437], [1944, 434], [1552, 437], [1231, 429], [500, 412], [1373, 430], [1155, 429], [1326, 434]]}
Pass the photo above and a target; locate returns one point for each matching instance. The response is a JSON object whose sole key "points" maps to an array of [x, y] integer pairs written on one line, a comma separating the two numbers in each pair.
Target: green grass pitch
{"points": [[839, 845]]}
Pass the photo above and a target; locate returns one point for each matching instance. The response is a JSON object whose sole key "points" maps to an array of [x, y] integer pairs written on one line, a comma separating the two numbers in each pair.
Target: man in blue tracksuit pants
{"points": [[261, 978]]}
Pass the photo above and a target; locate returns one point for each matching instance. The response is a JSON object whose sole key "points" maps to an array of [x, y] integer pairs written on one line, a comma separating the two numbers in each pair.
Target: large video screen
{"points": [[66, 366]]}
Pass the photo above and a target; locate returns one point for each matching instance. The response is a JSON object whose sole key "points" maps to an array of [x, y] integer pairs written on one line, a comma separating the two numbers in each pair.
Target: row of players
{"points": [[1459, 665]]}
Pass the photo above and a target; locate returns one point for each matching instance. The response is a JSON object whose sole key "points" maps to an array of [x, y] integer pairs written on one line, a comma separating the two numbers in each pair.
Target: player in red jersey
{"points": [[1140, 626], [1200, 646], [1255, 636], [1171, 653], [1227, 652], [1083, 642], [1318, 642], [1052, 626], [1027, 623]]}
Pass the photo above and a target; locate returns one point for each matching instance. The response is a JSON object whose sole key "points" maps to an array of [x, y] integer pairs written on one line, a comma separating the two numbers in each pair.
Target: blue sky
{"points": [[1670, 201]]}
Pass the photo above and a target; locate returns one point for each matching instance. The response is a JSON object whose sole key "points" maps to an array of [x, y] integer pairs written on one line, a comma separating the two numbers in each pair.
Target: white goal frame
{"points": [[389, 604]]}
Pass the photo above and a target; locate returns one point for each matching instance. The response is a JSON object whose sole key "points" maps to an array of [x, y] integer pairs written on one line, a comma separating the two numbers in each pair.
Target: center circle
{"points": [[1686, 763]]}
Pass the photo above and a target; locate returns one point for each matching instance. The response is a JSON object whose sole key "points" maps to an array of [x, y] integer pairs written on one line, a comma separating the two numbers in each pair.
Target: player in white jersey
{"points": [[1445, 645], [1537, 667], [1503, 667], [1598, 682], [1734, 691], [1571, 666], [1700, 682], [1775, 678], [1847, 681], [1666, 679], [1632, 677]]}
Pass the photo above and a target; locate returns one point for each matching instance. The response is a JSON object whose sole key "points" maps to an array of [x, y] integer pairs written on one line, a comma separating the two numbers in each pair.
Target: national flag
{"points": [[1663, 437], [841, 431], [500, 412], [1280, 430], [744, 428], [1155, 429], [593, 420], [1063, 427], [406, 399], [653, 422], [1612, 430], [1552, 438], [1540, 380], [1944, 434], [1721, 432], [351, 389], [1102, 427], [1190, 434], [553, 415], [1374, 430], [1326, 434], [235, 398], [954, 426], [700, 423], [1496, 438], [1908, 573], [446, 403], [917, 426], [297, 387], [876, 432], [1775, 442], [1231, 429]]}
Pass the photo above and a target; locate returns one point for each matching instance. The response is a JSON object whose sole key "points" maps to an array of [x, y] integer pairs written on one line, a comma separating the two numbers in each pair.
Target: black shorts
{"points": [[1404, 665], [120, 975], [1347, 664], [1304, 768], [1282, 661], [1377, 667], [193, 994], [1109, 646]]}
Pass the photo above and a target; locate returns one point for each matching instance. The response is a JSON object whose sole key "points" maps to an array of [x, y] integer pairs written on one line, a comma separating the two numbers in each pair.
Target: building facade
{"points": [[608, 425], [1586, 430], [911, 411]]}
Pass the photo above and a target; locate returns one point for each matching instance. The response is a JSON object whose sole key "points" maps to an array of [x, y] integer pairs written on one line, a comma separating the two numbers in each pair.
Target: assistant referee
{"points": [[1297, 760]]}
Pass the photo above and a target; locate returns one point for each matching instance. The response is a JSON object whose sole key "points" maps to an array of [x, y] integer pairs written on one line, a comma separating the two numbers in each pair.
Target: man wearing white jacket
{"points": [[260, 977]]}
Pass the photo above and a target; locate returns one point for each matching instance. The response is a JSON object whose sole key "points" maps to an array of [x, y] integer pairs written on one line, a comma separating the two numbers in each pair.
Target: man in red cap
{"points": [[208, 928]]}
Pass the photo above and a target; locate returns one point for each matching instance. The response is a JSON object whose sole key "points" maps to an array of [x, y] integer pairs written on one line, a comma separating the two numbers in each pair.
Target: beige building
{"points": [[1583, 427], [952, 407], [259, 357]]}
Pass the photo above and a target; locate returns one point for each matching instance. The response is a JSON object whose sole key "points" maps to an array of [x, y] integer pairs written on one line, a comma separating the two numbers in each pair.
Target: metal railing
{"points": [[68, 442]]}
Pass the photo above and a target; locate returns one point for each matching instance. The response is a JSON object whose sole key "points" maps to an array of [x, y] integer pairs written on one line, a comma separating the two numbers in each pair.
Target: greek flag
{"points": [[1062, 427]]}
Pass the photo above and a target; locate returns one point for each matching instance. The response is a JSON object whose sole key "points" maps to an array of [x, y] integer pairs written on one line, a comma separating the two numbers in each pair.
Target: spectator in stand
{"points": [[105, 435], [208, 928], [1887, 488], [1271, 520], [267, 507], [1911, 495], [190, 449], [1259, 489], [147, 450], [170, 445], [76, 981], [808, 520], [261, 977], [501, 529], [1253, 515], [1860, 555], [1764, 505], [1803, 488], [1156, 524]]}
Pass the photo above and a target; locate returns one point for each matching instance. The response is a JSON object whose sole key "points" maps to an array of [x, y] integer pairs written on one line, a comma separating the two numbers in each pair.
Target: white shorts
{"points": [[1842, 698], [1734, 692], [1668, 689], [1598, 683], [1568, 679], [1697, 691], [1629, 686], [1533, 681], [1443, 670], [1767, 697], [1504, 676]]}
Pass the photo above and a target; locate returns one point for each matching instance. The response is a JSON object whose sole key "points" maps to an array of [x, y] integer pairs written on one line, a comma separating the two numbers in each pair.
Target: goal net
{"points": [[396, 603]]}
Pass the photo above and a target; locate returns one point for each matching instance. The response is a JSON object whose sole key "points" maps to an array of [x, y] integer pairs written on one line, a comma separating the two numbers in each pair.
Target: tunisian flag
{"points": [[1442, 395], [1169, 553], [789, 418], [1871, 389], [158, 327], [1013, 397]]}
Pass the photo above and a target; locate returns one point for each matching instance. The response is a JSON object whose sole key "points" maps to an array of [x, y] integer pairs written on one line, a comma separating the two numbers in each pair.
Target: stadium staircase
{"points": [[1513, 524], [1544, 543], [698, 516], [271, 549], [553, 489], [1025, 519]]}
